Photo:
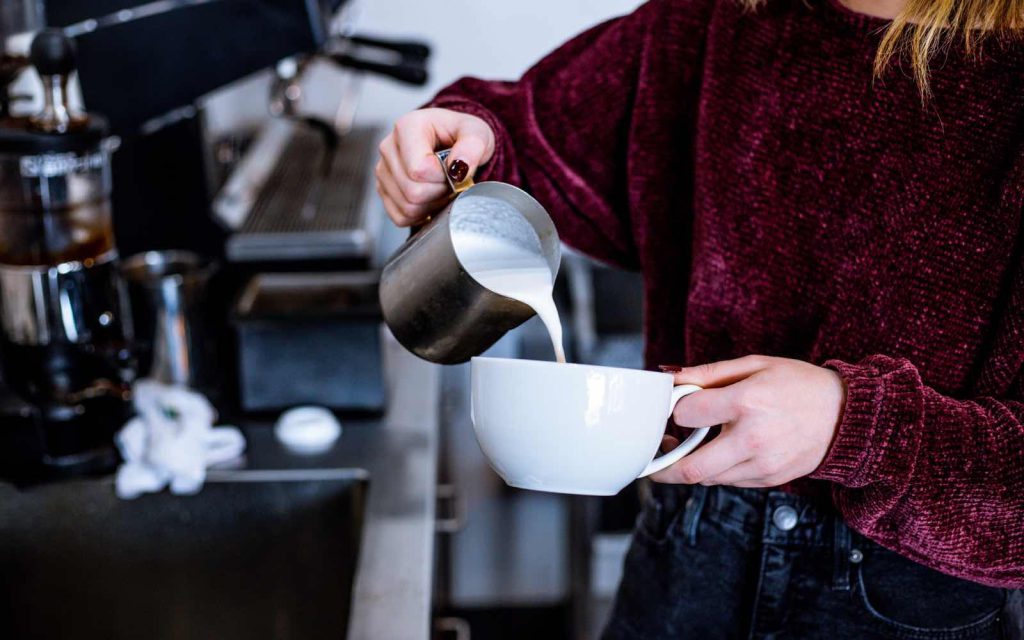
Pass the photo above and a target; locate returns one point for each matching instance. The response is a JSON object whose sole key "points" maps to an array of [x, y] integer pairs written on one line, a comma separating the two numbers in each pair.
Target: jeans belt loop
{"points": [[842, 546], [694, 509]]}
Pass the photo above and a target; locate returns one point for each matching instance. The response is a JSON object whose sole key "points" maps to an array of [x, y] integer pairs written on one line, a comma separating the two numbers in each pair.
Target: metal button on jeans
{"points": [[785, 518]]}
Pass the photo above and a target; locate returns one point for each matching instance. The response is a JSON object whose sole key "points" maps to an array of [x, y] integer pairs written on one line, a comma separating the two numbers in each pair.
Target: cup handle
{"points": [[686, 446]]}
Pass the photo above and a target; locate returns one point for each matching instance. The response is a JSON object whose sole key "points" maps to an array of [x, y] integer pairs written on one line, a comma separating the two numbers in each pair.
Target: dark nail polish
{"points": [[458, 171], [670, 368]]}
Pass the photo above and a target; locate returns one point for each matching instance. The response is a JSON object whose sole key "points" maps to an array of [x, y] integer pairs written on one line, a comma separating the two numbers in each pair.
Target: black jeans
{"points": [[742, 563]]}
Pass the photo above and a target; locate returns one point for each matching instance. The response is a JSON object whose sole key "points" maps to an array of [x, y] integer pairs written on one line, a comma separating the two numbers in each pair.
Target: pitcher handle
{"points": [[686, 446], [456, 187]]}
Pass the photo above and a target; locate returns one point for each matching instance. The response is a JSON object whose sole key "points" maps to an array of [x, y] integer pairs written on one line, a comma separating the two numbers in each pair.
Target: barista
{"points": [[824, 198]]}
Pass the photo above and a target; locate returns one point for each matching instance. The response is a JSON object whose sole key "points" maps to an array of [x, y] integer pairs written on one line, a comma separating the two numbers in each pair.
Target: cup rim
{"points": [[548, 364]]}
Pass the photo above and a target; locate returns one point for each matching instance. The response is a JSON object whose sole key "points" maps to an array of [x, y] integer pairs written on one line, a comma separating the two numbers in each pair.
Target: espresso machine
{"points": [[65, 326]]}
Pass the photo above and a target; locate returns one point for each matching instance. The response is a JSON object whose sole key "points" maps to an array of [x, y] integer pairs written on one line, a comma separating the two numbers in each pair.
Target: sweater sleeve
{"points": [[566, 131], [938, 479]]}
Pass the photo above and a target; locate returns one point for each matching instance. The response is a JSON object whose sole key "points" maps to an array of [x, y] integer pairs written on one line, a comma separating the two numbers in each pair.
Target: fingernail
{"points": [[670, 368], [458, 170]]}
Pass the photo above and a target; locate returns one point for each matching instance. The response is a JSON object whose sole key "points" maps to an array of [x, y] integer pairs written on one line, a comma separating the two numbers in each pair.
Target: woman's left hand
{"points": [[778, 419]]}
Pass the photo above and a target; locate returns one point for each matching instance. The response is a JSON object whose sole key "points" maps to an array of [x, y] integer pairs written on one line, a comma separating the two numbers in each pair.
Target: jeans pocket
{"points": [[659, 519], [909, 600]]}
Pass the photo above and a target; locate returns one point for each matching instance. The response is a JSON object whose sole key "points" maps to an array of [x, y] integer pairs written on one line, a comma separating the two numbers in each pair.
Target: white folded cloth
{"points": [[171, 441]]}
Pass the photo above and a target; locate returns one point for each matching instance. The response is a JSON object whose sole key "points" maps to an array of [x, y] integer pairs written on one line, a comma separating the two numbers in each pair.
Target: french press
{"points": [[65, 325]]}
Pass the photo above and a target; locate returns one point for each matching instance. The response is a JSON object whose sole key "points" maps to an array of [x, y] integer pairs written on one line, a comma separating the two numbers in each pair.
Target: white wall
{"points": [[486, 38]]}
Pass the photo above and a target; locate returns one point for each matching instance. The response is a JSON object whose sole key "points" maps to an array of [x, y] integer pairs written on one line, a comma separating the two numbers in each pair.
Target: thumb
{"points": [[474, 146], [472, 150], [723, 373]]}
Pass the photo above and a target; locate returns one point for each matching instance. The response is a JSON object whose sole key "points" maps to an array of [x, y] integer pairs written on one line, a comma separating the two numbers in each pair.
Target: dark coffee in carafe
{"points": [[65, 327]]}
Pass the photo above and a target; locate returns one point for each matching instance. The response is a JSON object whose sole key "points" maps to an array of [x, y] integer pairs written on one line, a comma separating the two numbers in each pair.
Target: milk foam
{"points": [[500, 249]]}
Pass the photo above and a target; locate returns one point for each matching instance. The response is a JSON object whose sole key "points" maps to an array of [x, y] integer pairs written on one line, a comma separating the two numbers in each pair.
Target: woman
{"points": [[824, 197]]}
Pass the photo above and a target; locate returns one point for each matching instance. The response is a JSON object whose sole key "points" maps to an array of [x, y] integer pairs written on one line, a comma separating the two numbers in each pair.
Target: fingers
{"points": [[416, 139], [706, 408], [723, 373], [748, 473], [470, 146], [420, 133], [668, 443], [392, 209], [410, 179], [411, 191], [400, 209], [390, 195], [769, 435], [745, 472], [718, 456], [755, 471], [409, 173]]}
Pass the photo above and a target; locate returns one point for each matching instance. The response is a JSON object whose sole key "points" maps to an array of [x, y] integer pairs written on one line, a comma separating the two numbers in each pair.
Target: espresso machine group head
{"points": [[65, 328]]}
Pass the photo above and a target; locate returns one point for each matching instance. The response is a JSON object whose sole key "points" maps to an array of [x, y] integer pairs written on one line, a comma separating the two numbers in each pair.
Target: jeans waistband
{"points": [[775, 518], [753, 511]]}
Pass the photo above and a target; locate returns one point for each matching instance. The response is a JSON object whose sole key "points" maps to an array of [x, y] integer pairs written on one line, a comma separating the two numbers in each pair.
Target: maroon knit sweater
{"points": [[779, 201]]}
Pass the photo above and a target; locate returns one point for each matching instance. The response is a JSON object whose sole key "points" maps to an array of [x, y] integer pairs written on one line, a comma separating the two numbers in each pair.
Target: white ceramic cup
{"points": [[571, 428]]}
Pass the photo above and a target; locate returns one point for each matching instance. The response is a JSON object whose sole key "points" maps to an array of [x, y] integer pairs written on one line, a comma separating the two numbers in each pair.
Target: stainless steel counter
{"points": [[398, 454]]}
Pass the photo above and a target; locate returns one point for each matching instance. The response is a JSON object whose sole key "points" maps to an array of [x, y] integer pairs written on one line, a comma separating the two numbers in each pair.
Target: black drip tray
{"points": [[257, 554], [304, 212]]}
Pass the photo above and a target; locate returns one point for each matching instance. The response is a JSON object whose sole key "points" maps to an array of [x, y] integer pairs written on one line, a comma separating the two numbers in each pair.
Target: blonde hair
{"points": [[926, 27]]}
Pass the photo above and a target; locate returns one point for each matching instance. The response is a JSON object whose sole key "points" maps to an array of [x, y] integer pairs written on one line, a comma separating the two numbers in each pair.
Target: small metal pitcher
{"points": [[432, 305], [167, 290]]}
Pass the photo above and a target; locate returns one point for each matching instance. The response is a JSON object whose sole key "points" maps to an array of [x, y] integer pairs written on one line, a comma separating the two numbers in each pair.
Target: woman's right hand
{"points": [[410, 180]]}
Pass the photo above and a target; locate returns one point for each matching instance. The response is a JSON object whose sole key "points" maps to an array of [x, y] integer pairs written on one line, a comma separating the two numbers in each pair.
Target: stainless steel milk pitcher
{"points": [[167, 290], [432, 304]]}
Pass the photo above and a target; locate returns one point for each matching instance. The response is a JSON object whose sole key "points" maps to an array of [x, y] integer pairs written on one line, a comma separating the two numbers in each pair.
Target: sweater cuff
{"points": [[876, 437]]}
